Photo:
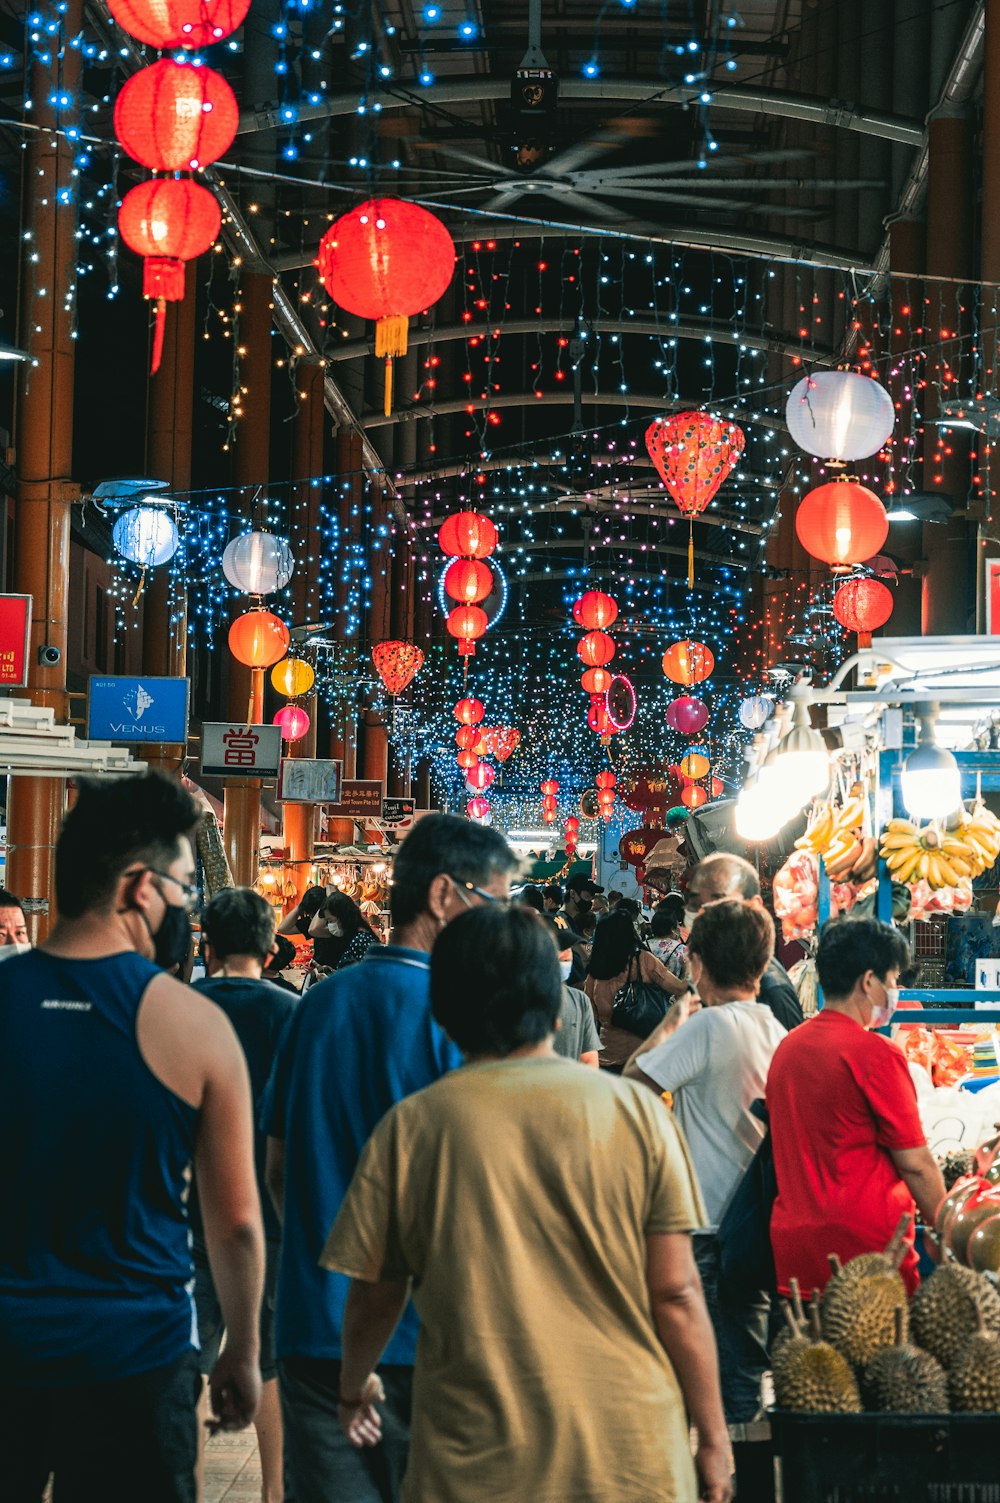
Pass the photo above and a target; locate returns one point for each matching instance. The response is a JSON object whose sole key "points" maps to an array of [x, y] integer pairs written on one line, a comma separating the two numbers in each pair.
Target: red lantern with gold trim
{"points": [[595, 611], [386, 259], [167, 221], [693, 453], [397, 664], [467, 623], [550, 787], [173, 117]]}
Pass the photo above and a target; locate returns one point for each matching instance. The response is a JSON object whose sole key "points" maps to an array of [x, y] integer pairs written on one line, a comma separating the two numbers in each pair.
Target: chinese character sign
{"points": [[15, 633], [242, 751]]}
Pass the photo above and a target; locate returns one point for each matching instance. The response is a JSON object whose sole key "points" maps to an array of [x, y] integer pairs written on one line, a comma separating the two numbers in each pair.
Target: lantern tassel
{"points": [[142, 583], [690, 553], [391, 338], [158, 333]]}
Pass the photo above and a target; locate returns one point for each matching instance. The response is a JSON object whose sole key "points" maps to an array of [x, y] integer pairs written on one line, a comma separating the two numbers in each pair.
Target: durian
{"points": [[861, 1300], [974, 1379], [811, 1376], [946, 1310], [901, 1379]]}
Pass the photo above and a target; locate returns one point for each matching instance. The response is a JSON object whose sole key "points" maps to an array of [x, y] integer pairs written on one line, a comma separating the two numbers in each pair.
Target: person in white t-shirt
{"points": [[713, 1056]]}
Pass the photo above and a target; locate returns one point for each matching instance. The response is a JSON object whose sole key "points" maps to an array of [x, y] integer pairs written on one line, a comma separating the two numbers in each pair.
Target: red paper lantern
{"points": [[596, 649], [173, 117], [687, 715], [550, 787], [693, 796], [505, 741], [386, 259], [549, 816], [688, 662], [468, 581], [693, 453], [469, 711], [841, 523], [179, 23], [477, 808], [863, 605], [294, 722], [467, 758], [717, 787], [481, 745], [596, 680], [605, 779], [480, 776], [167, 221], [468, 535], [572, 824], [550, 803], [397, 664], [598, 719], [605, 798], [467, 622], [595, 611], [258, 639], [465, 737]]}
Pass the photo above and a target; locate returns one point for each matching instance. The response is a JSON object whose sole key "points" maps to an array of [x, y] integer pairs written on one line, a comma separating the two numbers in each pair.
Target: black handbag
{"points": [[639, 1006], [746, 1262]]}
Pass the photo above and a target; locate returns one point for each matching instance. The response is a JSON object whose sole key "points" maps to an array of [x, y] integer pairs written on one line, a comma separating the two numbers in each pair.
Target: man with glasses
{"points": [[722, 876], [359, 1042], [113, 1078]]}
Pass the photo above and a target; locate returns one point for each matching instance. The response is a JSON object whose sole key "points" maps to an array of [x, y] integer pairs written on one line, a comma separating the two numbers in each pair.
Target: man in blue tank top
{"points": [[113, 1078], [357, 1043]]}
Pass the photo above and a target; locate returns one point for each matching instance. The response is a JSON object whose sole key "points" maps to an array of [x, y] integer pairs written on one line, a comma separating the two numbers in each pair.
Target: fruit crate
{"points": [[886, 1458]]}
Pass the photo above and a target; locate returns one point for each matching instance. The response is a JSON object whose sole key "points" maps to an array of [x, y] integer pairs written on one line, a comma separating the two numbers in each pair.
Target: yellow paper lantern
{"points": [[292, 677], [695, 765]]}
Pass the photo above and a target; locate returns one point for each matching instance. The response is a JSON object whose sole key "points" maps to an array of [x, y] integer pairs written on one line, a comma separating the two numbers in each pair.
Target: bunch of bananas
{"points": [[837, 834], [941, 857]]}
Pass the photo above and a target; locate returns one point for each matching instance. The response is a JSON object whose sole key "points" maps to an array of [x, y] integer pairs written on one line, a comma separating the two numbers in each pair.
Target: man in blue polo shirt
{"points": [[358, 1043]]}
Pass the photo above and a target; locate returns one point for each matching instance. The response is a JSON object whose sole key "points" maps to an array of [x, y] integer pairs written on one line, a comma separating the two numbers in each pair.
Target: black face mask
{"points": [[172, 940], [584, 904]]}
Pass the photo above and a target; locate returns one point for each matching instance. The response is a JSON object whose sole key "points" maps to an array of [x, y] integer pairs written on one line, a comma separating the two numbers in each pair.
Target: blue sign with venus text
{"points": [[137, 709]]}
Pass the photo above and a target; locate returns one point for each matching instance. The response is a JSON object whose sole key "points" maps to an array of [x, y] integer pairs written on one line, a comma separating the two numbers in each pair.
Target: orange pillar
{"points": [[299, 820], [44, 464], [241, 800], [989, 271], [344, 732], [169, 437]]}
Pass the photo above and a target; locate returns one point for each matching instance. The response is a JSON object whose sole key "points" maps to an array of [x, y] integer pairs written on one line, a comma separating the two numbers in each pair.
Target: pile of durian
{"points": [[864, 1347]]}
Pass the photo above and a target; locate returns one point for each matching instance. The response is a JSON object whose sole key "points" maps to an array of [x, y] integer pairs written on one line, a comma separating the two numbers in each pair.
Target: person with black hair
{"points": [[299, 921], [850, 1154], [282, 956], [13, 927], [237, 937], [113, 1078], [532, 897], [618, 955], [341, 933], [577, 1036], [359, 1042], [552, 897], [542, 1215], [665, 938]]}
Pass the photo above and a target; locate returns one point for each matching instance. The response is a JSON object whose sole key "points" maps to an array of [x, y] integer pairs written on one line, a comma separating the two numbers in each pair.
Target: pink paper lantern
{"points": [[294, 722], [477, 808], [687, 715]]}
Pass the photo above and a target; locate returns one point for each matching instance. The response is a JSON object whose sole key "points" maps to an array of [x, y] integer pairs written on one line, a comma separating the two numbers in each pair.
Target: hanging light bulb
{"points": [[760, 811], [801, 758], [931, 783]]}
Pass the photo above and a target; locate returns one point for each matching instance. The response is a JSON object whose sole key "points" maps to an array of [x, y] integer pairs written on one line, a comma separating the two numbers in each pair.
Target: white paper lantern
{"points": [[839, 415], [146, 536], [754, 711], [258, 563]]}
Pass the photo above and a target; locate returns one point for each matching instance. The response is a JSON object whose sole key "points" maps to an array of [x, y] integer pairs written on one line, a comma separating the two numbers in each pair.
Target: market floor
{"points": [[232, 1468]]}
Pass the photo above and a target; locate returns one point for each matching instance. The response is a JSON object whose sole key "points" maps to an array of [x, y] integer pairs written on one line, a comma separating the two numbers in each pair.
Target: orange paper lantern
{"points": [[397, 664], [841, 522], [468, 535], [595, 611], [688, 662], [596, 649], [468, 581], [693, 453], [173, 117], [693, 796], [258, 639], [386, 259], [596, 680], [695, 765]]}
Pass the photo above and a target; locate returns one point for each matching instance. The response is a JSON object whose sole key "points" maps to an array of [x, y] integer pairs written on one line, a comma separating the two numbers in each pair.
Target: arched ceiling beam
{"points": [[647, 401], [449, 469], [703, 329], [584, 503], [740, 243], [550, 545], [651, 92]]}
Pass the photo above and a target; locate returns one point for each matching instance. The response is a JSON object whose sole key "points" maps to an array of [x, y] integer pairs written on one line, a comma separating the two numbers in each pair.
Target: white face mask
{"points": [[690, 914], [565, 969], [335, 929], [882, 1016], [17, 946]]}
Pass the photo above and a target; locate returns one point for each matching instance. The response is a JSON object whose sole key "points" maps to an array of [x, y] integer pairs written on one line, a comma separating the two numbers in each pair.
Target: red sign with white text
{"points": [[15, 635], [993, 597]]}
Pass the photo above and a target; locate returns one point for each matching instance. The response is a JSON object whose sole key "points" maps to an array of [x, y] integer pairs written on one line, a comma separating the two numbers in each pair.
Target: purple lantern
{"points": [[687, 715]]}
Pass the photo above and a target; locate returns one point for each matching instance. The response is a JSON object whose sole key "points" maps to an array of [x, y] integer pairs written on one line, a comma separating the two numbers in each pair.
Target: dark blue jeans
{"points": [[321, 1465], [740, 1334]]}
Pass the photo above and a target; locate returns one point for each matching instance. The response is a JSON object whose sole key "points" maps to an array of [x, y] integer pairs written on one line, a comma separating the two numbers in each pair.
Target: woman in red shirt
{"points": [[849, 1150]]}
